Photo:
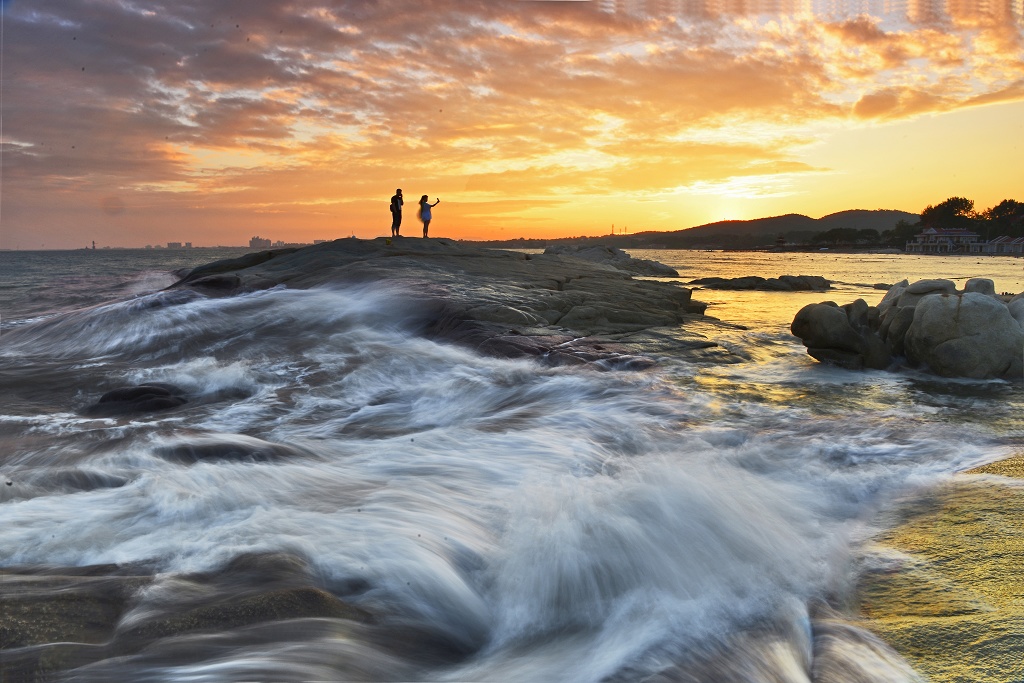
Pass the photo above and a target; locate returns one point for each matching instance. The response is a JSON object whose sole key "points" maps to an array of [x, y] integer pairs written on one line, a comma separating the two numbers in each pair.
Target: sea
{"points": [[502, 520]]}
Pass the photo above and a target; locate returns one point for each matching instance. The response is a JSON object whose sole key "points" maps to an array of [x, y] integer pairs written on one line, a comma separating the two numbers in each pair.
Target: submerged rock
{"points": [[972, 333], [237, 447], [137, 400], [56, 619]]}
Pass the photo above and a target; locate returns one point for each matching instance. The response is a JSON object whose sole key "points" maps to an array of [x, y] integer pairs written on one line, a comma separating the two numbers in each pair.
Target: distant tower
{"points": [[94, 245]]}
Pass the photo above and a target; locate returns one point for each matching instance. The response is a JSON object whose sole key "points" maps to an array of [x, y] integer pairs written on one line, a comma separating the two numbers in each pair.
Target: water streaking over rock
{"points": [[347, 495], [555, 306]]}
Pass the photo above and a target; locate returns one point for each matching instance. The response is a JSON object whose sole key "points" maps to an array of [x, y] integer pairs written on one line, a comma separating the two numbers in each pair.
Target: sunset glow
{"points": [[209, 122]]}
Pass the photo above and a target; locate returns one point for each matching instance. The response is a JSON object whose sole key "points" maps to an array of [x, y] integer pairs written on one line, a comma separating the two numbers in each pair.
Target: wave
{"points": [[542, 523]]}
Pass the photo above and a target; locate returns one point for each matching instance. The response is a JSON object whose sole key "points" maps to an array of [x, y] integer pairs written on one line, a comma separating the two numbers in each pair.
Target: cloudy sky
{"points": [[134, 122]]}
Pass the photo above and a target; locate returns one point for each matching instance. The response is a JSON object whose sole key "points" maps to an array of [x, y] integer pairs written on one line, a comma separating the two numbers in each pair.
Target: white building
{"points": [[943, 241], [1000, 245]]}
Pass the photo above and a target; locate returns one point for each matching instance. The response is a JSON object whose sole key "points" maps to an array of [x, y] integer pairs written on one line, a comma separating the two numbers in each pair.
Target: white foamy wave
{"points": [[180, 323], [560, 523]]}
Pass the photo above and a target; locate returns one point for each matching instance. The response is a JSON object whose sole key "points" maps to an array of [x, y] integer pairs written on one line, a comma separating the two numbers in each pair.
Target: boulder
{"points": [[1016, 308], [841, 335], [922, 287], [892, 296], [981, 285], [969, 335], [894, 328]]}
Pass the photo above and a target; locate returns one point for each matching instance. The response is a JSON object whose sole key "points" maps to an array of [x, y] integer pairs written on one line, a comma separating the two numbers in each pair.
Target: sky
{"points": [[135, 122]]}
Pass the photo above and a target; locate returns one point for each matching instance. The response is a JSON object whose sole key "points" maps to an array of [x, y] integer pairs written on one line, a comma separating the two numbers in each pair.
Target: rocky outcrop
{"points": [[614, 257], [557, 307], [783, 283], [972, 333]]}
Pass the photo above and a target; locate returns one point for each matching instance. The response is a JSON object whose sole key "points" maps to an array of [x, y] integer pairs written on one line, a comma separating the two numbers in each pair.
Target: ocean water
{"points": [[501, 520]]}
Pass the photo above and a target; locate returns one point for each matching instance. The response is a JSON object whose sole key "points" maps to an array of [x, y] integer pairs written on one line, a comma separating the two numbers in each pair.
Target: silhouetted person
{"points": [[396, 212], [425, 212]]}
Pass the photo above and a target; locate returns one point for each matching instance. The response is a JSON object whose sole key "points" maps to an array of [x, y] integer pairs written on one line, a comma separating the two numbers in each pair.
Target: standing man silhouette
{"points": [[396, 212]]}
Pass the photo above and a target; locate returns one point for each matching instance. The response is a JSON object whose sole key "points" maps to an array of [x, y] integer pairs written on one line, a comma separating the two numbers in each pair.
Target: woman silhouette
{"points": [[425, 213]]}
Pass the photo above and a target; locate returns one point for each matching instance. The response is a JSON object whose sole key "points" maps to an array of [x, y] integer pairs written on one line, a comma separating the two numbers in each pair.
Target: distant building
{"points": [[174, 245], [1000, 245], [188, 245], [259, 243], [943, 241]]}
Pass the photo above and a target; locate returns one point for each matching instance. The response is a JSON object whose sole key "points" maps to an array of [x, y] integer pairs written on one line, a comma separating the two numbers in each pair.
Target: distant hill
{"points": [[793, 227], [760, 227], [862, 219]]}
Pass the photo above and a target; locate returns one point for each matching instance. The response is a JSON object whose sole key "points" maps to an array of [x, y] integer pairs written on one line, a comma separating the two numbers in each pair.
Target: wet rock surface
{"points": [[500, 302], [137, 400], [56, 619], [614, 257], [228, 447]]}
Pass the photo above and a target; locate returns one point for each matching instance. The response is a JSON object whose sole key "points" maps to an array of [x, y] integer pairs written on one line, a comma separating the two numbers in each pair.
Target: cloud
{"points": [[892, 103], [258, 103]]}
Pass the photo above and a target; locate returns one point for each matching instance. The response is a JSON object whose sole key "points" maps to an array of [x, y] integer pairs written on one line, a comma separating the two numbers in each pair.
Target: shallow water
{"points": [[539, 523]]}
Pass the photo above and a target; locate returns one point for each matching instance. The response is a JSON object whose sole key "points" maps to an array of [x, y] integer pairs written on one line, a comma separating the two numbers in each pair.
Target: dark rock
{"points": [[228, 447], [784, 283], [228, 265], [841, 336], [474, 296], [145, 398], [218, 283]]}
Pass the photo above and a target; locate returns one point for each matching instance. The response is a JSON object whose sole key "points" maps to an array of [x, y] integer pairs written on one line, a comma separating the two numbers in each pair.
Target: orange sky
{"points": [[210, 122]]}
